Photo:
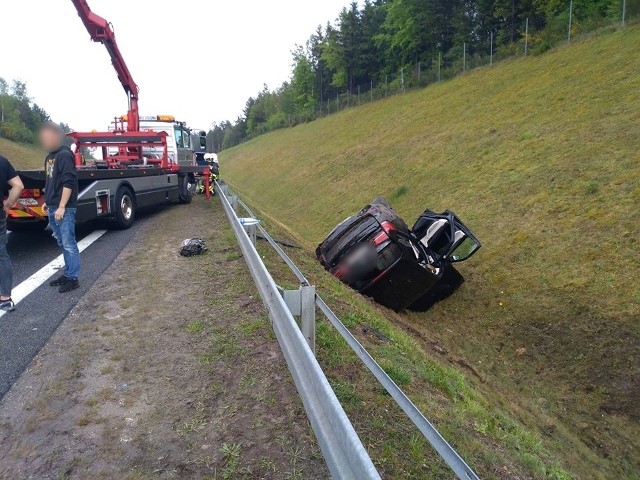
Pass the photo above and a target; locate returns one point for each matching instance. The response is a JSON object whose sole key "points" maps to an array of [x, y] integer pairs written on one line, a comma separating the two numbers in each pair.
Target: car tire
{"points": [[186, 186], [450, 281], [124, 208]]}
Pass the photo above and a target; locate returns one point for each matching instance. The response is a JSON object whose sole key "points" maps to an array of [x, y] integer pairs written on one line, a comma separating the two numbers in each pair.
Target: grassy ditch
{"points": [[490, 438], [21, 156], [540, 157]]}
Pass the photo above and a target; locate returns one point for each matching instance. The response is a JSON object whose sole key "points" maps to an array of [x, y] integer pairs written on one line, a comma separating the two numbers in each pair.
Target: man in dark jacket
{"points": [[10, 187], [61, 197]]}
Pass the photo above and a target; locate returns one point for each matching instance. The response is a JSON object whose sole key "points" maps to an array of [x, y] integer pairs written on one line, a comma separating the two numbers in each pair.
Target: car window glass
{"points": [[464, 250]]}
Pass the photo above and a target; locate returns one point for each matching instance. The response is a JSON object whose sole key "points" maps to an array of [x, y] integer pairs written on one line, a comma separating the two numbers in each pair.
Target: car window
{"points": [[186, 139], [464, 250]]}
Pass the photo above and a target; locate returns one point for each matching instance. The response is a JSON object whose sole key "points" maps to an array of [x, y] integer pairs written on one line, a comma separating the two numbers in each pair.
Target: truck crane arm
{"points": [[101, 31]]}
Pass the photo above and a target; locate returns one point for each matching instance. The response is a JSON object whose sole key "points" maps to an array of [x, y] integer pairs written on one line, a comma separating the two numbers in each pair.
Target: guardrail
{"points": [[341, 447], [431, 434]]}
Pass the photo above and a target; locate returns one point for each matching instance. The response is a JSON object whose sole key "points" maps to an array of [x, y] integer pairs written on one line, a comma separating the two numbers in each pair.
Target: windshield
{"points": [[179, 138], [183, 138]]}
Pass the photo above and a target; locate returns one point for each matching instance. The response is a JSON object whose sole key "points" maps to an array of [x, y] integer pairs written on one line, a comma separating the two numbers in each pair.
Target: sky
{"points": [[198, 60]]}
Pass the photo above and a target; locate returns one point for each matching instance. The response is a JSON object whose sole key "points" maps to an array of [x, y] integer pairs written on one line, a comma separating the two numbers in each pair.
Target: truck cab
{"points": [[179, 139]]}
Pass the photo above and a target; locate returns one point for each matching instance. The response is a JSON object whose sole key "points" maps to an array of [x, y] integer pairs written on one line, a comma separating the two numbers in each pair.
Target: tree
{"points": [[235, 133], [322, 73], [381, 37], [372, 18], [20, 118], [19, 90], [303, 84], [215, 136], [343, 49]]}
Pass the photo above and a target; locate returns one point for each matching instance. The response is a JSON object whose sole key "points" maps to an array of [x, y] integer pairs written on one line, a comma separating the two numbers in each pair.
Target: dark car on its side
{"points": [[377, 254]]}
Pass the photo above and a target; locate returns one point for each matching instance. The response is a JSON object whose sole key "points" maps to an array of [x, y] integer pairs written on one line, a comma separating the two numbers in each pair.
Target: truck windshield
{"points": [[179, 142], [183, 138]]}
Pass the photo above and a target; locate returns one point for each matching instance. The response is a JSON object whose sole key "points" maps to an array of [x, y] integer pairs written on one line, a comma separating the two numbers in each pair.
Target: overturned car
{"points": [[377, 254]]}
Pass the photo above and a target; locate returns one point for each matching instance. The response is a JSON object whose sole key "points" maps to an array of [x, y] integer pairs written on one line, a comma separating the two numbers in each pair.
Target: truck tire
{"points": [[125, 208], [186, 184]]}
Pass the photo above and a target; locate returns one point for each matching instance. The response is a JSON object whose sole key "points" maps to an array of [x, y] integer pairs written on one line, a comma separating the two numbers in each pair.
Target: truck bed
{"points": [[36, 178]]}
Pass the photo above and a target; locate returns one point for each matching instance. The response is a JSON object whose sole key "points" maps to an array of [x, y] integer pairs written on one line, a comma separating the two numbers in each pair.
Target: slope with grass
{"points": [[21, 156], [540, 157]]}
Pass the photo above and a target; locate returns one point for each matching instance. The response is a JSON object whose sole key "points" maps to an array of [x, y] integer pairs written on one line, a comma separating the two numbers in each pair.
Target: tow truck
{"points": [[145, 161]]}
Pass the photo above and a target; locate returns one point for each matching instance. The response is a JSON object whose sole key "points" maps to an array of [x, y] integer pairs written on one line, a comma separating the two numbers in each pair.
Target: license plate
{"points": [[28, 202]]}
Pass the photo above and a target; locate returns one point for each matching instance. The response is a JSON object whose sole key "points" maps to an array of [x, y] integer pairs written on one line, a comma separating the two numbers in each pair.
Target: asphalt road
{"points": [[26, 330]]}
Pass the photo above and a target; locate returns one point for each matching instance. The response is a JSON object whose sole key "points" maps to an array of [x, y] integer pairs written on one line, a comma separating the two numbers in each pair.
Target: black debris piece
{"points": [[192, 246]]}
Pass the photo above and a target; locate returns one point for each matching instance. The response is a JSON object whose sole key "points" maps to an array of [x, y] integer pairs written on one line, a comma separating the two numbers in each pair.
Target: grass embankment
{"points": [[540, 157], [21, 156]]}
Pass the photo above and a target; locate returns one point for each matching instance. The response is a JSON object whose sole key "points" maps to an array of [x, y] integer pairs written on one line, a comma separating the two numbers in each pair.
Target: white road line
{"points": [[27, 287]]}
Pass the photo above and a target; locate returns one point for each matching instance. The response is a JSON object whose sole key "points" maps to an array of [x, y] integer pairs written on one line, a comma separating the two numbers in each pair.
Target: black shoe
{"points": [[7, 305], [59, 281], [69, 285]]}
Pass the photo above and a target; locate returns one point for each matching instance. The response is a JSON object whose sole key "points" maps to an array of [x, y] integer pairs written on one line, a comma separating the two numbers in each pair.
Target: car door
{"points": [[445, 237]]}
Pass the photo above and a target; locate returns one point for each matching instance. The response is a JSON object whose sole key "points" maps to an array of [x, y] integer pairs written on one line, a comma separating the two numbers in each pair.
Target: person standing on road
{"points": [[61, 197], [11, 187]]}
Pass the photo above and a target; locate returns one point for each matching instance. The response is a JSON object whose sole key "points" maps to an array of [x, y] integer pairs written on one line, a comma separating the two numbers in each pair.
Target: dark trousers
{"points": [[6, 269]]}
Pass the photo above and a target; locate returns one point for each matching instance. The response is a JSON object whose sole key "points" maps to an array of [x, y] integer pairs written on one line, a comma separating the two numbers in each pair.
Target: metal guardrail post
{"points": [[341, 447], [250, 226], [233, 201], [302, 303], [251, 232], [308, 315]]}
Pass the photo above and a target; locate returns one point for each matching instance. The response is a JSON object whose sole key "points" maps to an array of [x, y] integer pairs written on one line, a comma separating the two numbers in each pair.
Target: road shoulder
{"points": [[167, 368]]}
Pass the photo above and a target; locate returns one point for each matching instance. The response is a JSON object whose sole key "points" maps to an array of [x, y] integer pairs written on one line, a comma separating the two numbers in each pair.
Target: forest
{"points": [[20, 117], [382, 47]]}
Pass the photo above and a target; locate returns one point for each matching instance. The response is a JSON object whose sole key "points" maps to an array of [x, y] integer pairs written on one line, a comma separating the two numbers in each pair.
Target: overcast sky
{"points": [[196, 59]]}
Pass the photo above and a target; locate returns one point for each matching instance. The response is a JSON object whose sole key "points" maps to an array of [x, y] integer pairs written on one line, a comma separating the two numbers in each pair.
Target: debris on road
{"points": [[192, 246]]}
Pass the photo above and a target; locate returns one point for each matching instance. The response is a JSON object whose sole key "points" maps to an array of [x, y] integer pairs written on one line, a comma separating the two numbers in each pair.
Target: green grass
{"points": [[195, 326], [540, 156], [21, 156], [464, 414]]}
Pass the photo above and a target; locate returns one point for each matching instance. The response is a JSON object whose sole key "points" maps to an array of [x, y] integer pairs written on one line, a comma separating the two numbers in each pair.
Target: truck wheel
{"points": [[187, 185], [125, 208]]}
